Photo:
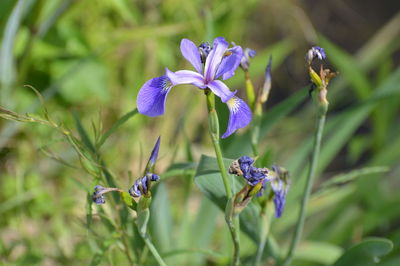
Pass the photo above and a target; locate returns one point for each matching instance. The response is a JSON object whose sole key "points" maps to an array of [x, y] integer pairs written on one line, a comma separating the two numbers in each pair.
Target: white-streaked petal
{"points": [[185, 77], [239, 115], [152, 96], [214, 58], [221, 90]]}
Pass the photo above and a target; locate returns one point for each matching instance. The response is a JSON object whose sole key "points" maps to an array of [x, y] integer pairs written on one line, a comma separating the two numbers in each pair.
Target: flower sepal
{"points": [[128, 200]]}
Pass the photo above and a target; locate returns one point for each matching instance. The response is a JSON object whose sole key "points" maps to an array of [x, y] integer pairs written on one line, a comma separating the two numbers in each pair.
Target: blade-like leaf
{"points": [[115, 126], [365, 253]]}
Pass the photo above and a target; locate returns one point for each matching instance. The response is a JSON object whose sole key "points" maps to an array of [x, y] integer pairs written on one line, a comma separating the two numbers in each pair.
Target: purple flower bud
{"points": [[267, 82], [245, 61], [204, 49], [134, 191], [142, 185], [153, 156], [315, 52]]}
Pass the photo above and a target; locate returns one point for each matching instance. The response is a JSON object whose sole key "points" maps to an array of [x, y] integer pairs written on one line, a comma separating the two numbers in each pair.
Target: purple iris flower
{"points": [[219, 62]]}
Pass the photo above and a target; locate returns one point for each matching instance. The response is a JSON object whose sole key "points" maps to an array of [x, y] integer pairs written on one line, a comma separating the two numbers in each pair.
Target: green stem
{"points": [[213, 129], [313, 166], [153, 250], [266, 216], [233, 223]]}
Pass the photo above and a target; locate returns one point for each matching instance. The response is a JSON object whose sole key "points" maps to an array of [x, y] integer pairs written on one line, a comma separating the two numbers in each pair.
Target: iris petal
{"points": [[185, 77], [221, 90], [214, 58], [152, 96], [239, 115], [230, 63], [190, 51], [279, 201]]}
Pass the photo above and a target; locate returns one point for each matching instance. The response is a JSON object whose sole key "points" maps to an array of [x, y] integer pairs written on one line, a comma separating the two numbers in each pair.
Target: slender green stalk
{"points": [[153, 251], [233, 223], [213, 129], [266, 216], [313, 166]]}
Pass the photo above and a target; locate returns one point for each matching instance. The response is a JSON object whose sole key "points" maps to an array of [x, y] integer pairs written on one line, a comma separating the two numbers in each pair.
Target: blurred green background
{"points": [[89, 59]]}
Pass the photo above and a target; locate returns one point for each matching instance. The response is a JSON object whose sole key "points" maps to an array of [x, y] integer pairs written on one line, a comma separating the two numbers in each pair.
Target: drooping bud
{"points": [[245, 61], [280, 186], [99, 191], [315, 52], [267, 82]]}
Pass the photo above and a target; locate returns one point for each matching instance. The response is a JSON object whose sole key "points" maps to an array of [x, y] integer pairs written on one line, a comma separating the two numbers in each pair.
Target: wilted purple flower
{"points": [[257, 179], [315, 52], [245, 61], [98, 196], [219, 62], [280, 186], [252, 174]]}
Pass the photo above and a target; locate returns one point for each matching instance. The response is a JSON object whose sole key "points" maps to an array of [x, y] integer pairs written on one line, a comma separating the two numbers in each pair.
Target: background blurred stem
{"points": [[153, 250], [255, 128], [213, 128], [313, 166], [266, 216]]}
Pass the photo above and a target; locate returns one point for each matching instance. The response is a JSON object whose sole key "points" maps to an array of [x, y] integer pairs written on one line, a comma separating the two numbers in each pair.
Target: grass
{"points": [[89, 59]]}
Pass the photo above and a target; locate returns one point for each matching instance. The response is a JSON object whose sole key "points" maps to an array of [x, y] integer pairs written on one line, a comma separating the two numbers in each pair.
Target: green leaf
{"points": [[209, 181], [319, 252], [83, 135], [7, 60], [204, 225], [128, 200], [351, 176], [161, 219], [365, 253], [349, 68], [115, 126], [179, 169], [240, 144]]}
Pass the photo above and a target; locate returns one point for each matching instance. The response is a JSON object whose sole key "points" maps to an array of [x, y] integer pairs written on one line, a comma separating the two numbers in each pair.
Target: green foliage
{"points": [[365, 253], [75, 125]]}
